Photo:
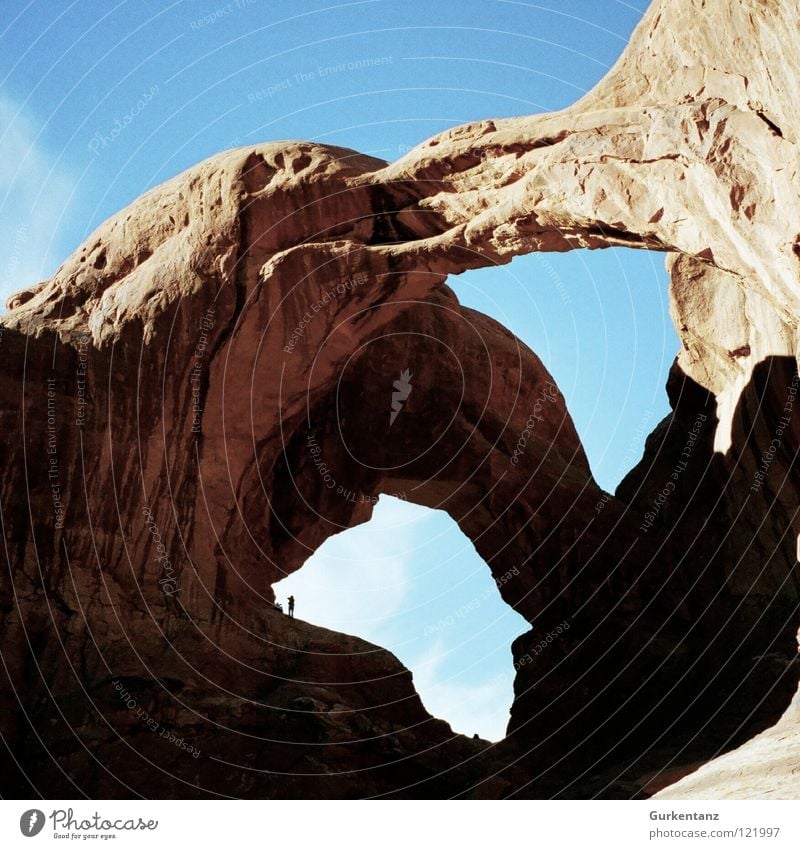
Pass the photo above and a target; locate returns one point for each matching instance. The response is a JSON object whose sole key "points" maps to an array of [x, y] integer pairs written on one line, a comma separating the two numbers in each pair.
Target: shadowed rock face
{"points": [[203, 393]]}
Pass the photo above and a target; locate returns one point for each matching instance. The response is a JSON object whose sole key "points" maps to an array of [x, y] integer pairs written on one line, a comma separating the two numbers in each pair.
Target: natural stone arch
{"points": [[687, 146]]}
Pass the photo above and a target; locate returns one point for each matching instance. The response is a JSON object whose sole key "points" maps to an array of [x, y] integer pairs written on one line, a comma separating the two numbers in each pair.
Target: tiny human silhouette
{"points": [[278, 607], [291, 606]]}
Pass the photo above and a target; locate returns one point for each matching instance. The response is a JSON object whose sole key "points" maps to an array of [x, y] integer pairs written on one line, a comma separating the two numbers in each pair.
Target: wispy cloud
{"points": [[470, 706], [354, 582], [390, 579], [34, 198]]}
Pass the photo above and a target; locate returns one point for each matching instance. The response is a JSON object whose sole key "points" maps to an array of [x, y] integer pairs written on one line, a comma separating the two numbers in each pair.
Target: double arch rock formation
{"points": [[200, 396]]}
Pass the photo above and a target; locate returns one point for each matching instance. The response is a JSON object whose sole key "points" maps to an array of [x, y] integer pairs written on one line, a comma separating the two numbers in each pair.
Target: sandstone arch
{"points": [[688, 146]]}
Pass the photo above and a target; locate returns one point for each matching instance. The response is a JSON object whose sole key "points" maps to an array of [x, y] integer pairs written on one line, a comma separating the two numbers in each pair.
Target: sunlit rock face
{"points": [[200, 456], [233, 368]]}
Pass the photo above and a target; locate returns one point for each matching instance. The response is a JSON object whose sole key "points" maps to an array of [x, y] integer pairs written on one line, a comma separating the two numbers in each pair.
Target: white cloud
{"points": [[470, 706], [353, 582], [34, 197], [389, 579]]}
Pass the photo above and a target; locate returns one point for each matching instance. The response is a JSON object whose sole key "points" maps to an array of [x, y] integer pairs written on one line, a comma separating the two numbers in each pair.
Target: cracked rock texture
{"points": [[184, 391]]}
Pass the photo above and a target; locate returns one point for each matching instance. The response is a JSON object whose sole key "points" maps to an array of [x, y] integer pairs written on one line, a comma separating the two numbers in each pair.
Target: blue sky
{"points": [[100, 100]]}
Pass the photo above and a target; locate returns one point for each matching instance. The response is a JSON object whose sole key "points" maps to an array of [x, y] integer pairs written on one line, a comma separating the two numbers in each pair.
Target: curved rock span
{"points": [[235, 367]]}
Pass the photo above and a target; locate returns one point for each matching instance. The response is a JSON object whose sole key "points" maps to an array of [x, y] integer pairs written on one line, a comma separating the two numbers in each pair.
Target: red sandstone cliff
{"points": [[174, 391]]}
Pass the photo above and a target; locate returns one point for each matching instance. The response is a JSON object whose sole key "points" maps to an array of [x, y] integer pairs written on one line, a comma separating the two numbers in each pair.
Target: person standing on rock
{"points": [[291, 606]]}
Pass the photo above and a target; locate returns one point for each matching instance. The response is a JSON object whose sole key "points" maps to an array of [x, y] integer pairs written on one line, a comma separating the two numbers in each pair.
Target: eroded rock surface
{"points": [[763, 768], [185, 389]]}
